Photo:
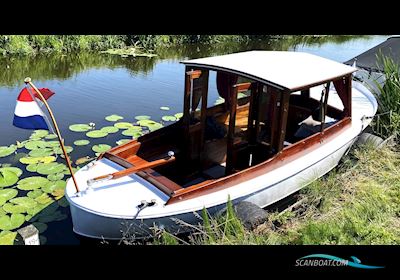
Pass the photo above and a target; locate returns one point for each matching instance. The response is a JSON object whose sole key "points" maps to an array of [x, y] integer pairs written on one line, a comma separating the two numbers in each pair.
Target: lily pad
{"points": [[80, 127], [50, 168], [14, 209], [36, 144], [7, 178], [33, 160], [132, 131], [40, 133], [32, 167], [13, 222], [44, 199], [7, 150], [101, 148], [155, 126], [7, 194], [50, 136], [59, 151], [58, 193], [39, 208], [169, 118], [81, 142], [35, 193], [83, 160], [26, 202], [28, 218], [21, 144], [2, 212], [96, 134], [114, 118], [66, 171], [16, 170], [164, 108], [32, 183], [52, 144], [7, 237], [122, 141], [40, 226], [56, 176], [123, 125], [54, 185], [41, 152], [144, 117], [109, 129], [178, 115]]}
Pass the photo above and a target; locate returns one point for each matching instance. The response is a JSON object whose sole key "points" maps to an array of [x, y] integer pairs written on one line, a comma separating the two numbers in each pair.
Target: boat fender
{"points": [[250, 214], [366, 138]]}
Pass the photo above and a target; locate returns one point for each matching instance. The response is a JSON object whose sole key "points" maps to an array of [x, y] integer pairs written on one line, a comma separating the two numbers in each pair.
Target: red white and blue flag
{"points": [[28, 114]]}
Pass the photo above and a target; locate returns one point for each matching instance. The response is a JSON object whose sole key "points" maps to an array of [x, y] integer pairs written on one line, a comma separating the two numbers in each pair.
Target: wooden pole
{"points": [[29, 81]]}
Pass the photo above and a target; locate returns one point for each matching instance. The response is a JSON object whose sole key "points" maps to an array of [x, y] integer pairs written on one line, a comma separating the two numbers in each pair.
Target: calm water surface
{"points": [[91, 86]]}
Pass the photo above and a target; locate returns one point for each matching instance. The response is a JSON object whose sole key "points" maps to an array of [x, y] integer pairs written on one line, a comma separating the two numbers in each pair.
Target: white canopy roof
{"points": [[285, 70]]}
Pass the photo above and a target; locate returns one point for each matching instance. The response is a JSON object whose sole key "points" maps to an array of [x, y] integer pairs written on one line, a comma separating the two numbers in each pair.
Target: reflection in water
{"points": [[65, 66]]}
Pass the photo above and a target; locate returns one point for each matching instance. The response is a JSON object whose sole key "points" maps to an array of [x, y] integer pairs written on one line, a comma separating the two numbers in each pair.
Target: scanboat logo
{"points": [[328, 260]]}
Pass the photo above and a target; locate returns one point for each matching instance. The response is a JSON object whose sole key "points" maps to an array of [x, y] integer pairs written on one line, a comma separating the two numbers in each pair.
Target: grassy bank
{"points": [[357, 204], [33, 44]]}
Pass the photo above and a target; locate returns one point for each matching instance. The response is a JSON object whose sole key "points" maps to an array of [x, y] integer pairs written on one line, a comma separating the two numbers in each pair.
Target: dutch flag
{"points": [[28, 114]]}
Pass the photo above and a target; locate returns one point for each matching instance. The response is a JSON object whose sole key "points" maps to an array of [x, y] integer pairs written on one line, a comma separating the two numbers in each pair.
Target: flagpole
{"points": [[29, 81]]}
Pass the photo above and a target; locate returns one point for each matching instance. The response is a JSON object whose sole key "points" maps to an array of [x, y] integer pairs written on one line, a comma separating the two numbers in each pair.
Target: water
{"points": [[91, 86]]}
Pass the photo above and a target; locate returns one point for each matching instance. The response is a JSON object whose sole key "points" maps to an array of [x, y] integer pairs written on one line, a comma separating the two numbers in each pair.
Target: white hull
{"points": [[109, 209]]}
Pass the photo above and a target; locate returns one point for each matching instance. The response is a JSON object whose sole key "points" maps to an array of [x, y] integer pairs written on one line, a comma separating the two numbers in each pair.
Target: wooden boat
{"points": [[297, 115]]}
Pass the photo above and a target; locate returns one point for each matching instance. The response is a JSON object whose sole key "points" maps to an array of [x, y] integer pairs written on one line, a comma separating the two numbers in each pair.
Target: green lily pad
{"points": [[35, 193], [26, 202], [96, 134], [123, 125], [66, 171], [109, 129], [38, 208], [32, 183], [14, 209], [56, 176], [54, 185], [123, 141], [7, 150], [169, 118], [53, 143], [81, 142], [44, 199], [139, 118], [35, 144], [79, 127], [13, 222], [114, 118], [32, 167], [58, 194], [20, 144], [178, 115], [59, 151], [63, 202], [101, 148], [7, 237], [155, 126], [41, 152], [2, 212], [50, 168], [7, 178], [40, 133], [28, 218], [152, 125], [83, 160], [7, 194], [132, 131], [40, 226], [164, 108], [50, 136], [33, 160], [16, 170]]}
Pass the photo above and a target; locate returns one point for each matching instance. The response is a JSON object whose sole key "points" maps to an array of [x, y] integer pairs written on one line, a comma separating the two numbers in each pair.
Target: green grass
{"points": [[359, 203], [388, 97]]}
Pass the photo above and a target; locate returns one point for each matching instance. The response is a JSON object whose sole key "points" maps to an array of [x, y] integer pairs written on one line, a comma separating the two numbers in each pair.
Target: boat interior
{"points": [[255, 123]]}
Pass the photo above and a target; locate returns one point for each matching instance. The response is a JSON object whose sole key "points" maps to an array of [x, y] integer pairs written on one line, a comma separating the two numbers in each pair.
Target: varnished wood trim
{"points": [[285, 156], [242, 87]]}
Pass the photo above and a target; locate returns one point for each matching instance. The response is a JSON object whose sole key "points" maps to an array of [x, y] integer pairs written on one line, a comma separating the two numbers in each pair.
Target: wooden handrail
{"points": [[131, 170]]}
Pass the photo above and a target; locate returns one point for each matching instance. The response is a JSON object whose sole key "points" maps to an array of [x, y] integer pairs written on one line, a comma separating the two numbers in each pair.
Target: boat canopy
{"points": [[368, 60], [290, 71]]}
